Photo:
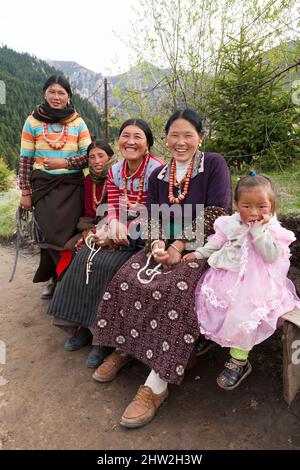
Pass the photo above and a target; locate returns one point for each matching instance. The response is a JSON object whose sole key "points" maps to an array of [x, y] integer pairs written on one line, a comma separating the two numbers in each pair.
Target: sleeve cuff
{"points": [[257, 230]]}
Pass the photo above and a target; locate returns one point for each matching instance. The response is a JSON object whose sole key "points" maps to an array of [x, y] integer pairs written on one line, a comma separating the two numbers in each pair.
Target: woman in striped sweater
{"points": [[54, 130], [77, 297]]}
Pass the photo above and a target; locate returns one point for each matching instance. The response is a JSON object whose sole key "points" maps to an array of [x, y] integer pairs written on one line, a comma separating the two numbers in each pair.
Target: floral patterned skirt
{"points": [[156, 323]]}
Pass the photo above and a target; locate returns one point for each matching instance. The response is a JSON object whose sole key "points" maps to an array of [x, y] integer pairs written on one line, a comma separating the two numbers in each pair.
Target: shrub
{"points": [[5, 176]]}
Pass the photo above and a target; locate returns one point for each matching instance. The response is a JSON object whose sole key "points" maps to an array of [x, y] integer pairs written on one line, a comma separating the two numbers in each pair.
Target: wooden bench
{"points": [[291, 371]]}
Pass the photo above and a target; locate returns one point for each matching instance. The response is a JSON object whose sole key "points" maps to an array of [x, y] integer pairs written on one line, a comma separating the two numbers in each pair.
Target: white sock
{"points": [[157, 384]]}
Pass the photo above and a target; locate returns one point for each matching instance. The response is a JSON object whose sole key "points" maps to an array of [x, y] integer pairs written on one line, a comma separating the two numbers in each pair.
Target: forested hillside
{"points": [[24, 77]]}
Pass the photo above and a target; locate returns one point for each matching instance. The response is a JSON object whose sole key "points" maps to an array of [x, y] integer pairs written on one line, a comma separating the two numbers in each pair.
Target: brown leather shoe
{"points": [[143, 407], [111, 366]]}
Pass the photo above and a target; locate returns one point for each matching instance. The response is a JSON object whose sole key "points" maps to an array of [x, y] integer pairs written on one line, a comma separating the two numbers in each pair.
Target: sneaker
{"points": [[203, 345], [233, 374], [97, 356], [111, 366], [81, 338], [143, 407], [49, 291]]}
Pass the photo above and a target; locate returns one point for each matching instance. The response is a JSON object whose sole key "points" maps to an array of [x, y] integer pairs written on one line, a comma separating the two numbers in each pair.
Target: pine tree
{"points": [[249, 117]]}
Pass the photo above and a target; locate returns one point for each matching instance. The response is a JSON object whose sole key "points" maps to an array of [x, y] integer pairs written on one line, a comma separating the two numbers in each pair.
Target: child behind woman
{"points": [[246, 290]]}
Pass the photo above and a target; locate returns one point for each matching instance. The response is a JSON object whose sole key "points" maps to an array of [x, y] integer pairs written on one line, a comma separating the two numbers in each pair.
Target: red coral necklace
{"points": [[56, 144], [172, 182], [141, 185]]}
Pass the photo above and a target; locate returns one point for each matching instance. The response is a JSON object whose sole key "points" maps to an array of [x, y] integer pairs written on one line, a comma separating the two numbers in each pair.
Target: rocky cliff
{"points": [[90, 84]]}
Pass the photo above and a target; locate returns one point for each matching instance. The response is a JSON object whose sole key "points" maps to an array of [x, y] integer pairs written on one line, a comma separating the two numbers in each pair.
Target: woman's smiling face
{"points": [[133, 143], [56, 96], [183, 140]]}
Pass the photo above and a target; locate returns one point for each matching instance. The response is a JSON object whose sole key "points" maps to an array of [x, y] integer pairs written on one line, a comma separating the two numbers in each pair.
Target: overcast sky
{"points": [[91, 32]]}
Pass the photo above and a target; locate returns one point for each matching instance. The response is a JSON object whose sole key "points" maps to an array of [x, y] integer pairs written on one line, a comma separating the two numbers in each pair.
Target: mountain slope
{"points": [[24, 76], [90, 84]]}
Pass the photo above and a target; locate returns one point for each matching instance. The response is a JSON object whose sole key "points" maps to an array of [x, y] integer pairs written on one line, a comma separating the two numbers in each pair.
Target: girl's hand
{"points": [[189, 257], [118, 232], [265, 219], [55, 163], [26, 202]]}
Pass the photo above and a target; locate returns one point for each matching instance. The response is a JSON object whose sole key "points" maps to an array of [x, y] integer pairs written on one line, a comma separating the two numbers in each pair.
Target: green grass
{"points": [[289, 191], [8, 206], [288, 183]]}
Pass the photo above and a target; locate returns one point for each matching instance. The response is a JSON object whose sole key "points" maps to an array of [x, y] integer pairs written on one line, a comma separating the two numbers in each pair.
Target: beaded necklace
{"points": [[56, 144], [141, 185], [97, 202], [172, 182]]}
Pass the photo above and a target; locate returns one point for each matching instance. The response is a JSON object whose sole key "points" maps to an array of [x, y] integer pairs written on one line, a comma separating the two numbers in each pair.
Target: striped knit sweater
{"points": [[34, 147]]}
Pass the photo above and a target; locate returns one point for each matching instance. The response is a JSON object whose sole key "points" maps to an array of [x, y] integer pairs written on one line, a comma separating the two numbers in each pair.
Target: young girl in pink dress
{"points": [[246, 290]]}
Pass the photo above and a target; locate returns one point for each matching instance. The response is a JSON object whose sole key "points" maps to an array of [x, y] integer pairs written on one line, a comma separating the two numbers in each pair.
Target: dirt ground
{"points": [[48, 399]]}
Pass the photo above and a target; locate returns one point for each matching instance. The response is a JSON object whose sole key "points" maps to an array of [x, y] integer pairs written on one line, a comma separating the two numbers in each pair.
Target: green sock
{"points": [[239, 355]]}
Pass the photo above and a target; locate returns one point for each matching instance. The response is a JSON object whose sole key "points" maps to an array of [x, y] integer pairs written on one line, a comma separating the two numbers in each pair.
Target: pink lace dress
{"points": [[241, 297]]}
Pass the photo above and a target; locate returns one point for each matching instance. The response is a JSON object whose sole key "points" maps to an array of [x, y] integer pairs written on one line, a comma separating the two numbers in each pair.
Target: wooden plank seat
{"points": [[291, 354]]}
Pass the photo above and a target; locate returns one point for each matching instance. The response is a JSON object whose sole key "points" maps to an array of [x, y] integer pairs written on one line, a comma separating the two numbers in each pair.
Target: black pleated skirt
{"points": [[76, 301]]}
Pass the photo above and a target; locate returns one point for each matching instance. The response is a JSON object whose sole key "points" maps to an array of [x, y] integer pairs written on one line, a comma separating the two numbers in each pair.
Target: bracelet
{"points": [[175, 248], [28, 194]]}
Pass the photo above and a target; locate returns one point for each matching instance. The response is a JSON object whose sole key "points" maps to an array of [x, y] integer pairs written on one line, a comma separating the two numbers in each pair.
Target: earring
{"points": [[69, 102], [146, 152], [199, 145], [167, 145]]}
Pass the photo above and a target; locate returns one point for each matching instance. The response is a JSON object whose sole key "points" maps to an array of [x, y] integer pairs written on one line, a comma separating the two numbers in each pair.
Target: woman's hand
{"points": [[189, 257], [174, 256], [26, 202], [102, 236], [159, 252], [118, 232], [171, 255], [55, 163], [79, 244]]}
